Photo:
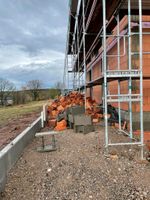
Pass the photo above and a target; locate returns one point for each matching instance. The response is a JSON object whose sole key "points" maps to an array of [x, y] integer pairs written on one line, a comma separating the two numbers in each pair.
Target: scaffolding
{"points": [[80, 50]]}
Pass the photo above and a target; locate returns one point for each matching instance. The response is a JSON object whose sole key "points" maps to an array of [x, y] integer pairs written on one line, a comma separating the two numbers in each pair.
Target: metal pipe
{"points": [[123, 95], [67, 73], [91, 14], [141, 76], [76, 78], [78, 54], [105, 69], [118, 52], [124, 49], [72, 58], [126, 133], [64, 76], [78, 9], [88, 21], [66, 56], [99, 57], [137, 53], [84, 60], [121, 35], [95, 41], [126, 143], [129, 64]]}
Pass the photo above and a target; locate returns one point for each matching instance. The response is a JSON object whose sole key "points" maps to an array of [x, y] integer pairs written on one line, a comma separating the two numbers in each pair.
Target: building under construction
{"points": [[107, 57]]}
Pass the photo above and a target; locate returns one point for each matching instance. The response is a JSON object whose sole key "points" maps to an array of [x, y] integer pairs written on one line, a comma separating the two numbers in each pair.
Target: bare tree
{"points": [[6, 90], [34, 86], [22, 96]]}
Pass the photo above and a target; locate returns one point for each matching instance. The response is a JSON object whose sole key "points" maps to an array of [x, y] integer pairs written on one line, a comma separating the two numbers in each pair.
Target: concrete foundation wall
{"points": [[11, 153], [136, 120]]}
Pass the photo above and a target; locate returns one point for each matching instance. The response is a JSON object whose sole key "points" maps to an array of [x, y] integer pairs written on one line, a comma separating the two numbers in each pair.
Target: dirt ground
{"points": [[14, 127], [14, 119], [79, 170]]}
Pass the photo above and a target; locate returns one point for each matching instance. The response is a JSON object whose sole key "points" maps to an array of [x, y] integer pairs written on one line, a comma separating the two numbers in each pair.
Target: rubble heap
{"points": [[56, 110]]}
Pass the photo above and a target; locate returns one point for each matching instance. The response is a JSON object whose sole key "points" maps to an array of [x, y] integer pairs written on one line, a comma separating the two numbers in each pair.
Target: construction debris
{"points": [[62, 125], [58, 109], [62, 110]]}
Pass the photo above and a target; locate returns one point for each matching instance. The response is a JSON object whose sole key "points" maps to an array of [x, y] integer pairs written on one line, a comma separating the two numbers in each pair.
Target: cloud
{"points": [[49, 73], [32, 40]]}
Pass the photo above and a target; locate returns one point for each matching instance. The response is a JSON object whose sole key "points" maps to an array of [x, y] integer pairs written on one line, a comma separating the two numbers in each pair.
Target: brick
{"points": [[60, 108], [95, 120], [74, 100], [52, 123], [62, 125]]}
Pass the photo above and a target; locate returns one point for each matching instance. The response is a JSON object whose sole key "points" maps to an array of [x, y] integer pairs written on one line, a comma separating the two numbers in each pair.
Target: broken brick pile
{"points": [[58, 107], [56, 113]]}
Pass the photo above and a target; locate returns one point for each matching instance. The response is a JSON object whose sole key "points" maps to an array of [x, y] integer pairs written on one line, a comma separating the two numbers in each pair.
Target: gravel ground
{"points": [[79, 170]]}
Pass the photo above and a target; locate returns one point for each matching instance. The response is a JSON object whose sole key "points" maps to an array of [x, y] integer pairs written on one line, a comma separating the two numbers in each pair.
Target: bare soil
{"points": [[14, 127], [79, 170]]}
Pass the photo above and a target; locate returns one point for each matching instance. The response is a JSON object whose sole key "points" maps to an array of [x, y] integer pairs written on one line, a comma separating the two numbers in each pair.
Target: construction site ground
{"points": [[79, 170]]}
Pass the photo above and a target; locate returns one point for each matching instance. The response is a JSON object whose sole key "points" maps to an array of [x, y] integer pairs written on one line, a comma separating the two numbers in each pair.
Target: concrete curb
{"points": [[11, 153]]}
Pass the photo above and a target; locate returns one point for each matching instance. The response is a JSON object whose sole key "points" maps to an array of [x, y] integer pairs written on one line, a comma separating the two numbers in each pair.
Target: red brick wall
{"points": [[112, 64], [96, 71], [97, 93]]}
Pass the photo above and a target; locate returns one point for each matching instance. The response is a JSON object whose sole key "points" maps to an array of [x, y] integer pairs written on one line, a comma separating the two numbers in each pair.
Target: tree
{"points": [[6, 90], [34, 87], [22, 96]]}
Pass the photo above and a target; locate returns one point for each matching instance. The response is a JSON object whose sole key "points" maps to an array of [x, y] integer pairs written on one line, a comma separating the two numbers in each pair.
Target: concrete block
{"points": [[66, 113], [84, 129], [82, 120], [73, 111], [136, 120], [71, 118], [76, 110], [71, 125]]}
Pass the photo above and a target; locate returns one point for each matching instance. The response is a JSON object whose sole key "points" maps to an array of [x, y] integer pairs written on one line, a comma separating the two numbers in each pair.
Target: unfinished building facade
{"points": [[108, 56]]}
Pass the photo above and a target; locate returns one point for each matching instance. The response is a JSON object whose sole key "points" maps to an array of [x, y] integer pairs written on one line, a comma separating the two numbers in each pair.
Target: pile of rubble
{"points": [[57, 109]]}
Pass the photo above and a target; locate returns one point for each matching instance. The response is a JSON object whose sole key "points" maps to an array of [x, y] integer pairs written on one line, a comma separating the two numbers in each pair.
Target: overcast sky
{"points": [[32, 40]]}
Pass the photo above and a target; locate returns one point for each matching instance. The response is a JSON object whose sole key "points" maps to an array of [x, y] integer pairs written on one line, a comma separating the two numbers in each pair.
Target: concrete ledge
{"points": [[12, 152], [136, 119]]}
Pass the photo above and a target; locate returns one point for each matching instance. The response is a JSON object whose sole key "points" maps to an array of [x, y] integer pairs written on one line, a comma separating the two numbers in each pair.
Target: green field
{"points": [[12, 112]]}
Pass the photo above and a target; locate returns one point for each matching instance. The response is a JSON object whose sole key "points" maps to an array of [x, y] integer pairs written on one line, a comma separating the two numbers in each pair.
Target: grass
{"points": [[12, 112]]}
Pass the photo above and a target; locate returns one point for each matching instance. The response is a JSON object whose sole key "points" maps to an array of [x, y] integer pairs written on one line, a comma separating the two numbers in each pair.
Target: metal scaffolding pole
{"points": [[84, 53], [72, 63], [66, 63], [105, 69], [68, 74], [85, 25], [118, 56], [130, 64], [108, 72], [91, 92], [64, 76], [141, 74], [130, 73], [76, 22], [75, 72], [78, 53]]}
